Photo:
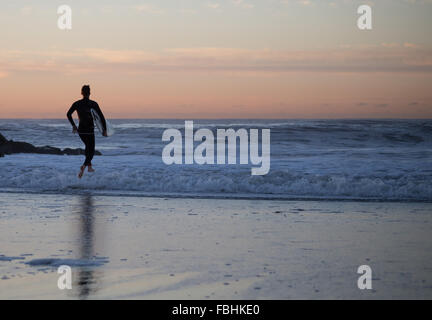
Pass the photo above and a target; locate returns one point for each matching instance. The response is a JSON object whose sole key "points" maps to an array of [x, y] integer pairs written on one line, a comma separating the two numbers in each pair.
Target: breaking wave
{"points": [[322, 159]]}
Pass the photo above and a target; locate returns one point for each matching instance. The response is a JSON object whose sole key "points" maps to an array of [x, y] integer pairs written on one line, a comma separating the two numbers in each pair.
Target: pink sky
{"points": [[198, 73]]}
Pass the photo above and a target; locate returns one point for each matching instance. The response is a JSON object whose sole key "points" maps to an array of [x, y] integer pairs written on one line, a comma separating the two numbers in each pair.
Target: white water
{"points": [[325, 159]]}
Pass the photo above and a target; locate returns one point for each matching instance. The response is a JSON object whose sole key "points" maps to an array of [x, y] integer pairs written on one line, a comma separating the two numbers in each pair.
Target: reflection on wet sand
{"points": [[87, 277]]}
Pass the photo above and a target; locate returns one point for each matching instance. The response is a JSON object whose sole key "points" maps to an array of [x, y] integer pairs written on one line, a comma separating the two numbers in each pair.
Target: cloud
{"points": [[370, 59], [188, 11], [214, 59], [390, 45], [335, 3], [149, 9], [304, 2], [243, 4], [117, 56], [362, 104], [213, 5], [410, 45]]}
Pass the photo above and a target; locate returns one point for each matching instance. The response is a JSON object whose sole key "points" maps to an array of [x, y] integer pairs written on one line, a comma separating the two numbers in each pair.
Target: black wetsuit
{"points": [[86, 124]]}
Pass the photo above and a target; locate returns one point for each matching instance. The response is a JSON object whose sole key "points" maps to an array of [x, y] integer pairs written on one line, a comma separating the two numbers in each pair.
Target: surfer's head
{"points": [[85, 91]]}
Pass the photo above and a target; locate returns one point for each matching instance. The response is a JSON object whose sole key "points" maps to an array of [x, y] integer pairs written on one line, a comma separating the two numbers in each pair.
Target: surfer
{"points": [[86, 125]]}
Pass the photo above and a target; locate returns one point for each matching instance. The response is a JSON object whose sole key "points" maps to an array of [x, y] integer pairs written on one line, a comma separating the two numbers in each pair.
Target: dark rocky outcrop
{"points": [[2, 139], [11, 147]]}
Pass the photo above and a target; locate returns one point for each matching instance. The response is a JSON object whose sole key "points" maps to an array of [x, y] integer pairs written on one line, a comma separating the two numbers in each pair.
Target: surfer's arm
{"points": [[99, 112], [69, 116]]}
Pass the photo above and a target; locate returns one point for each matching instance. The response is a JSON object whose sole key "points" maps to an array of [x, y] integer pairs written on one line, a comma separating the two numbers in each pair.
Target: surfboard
{"points": [[99, 125]]}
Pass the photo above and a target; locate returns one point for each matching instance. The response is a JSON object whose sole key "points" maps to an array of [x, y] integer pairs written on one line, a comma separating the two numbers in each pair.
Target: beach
{"points": [[173, 248], [340, 194], [234, 151]]}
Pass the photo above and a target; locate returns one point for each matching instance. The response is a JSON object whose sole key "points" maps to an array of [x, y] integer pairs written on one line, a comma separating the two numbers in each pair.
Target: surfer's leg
{"points": [[82, 169], [91, 145], [86, 140]]}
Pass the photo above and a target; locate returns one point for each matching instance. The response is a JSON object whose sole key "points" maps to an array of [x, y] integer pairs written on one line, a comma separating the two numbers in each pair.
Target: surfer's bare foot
{"points": [[81, 173], [90, 169]]}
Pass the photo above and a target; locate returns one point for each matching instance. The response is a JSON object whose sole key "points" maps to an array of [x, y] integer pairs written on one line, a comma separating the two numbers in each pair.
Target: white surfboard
{"points": [[99, 125]]}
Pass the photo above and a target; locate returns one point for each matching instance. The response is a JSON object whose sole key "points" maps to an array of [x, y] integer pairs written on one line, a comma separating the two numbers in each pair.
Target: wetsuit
{"points": [[86, 124]]}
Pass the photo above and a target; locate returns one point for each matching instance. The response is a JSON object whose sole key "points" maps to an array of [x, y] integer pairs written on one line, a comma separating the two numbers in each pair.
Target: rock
{"points": [[11, 147], [2, 139], [73, 152]]}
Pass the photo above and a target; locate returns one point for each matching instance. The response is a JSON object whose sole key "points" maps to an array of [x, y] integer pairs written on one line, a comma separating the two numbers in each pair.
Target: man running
{"points": [[86, 126]]}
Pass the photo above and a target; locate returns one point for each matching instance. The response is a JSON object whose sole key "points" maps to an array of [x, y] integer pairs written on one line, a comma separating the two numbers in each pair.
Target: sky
{"points": [[191, 59]]}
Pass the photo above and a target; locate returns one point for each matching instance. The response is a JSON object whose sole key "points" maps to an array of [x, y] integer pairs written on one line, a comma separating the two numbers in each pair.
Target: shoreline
{"points": [[170, 248], [209, 196]]}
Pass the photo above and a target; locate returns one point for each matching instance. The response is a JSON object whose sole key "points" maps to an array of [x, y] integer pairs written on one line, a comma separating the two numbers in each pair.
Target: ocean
{"points": [[379, 160]]}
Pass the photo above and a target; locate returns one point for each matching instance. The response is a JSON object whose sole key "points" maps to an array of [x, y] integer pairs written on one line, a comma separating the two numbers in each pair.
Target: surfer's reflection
{"points": [[86, 280]]}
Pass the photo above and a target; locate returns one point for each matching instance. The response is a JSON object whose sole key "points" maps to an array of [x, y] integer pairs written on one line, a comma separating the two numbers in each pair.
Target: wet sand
{"points": [[167, 248]]}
